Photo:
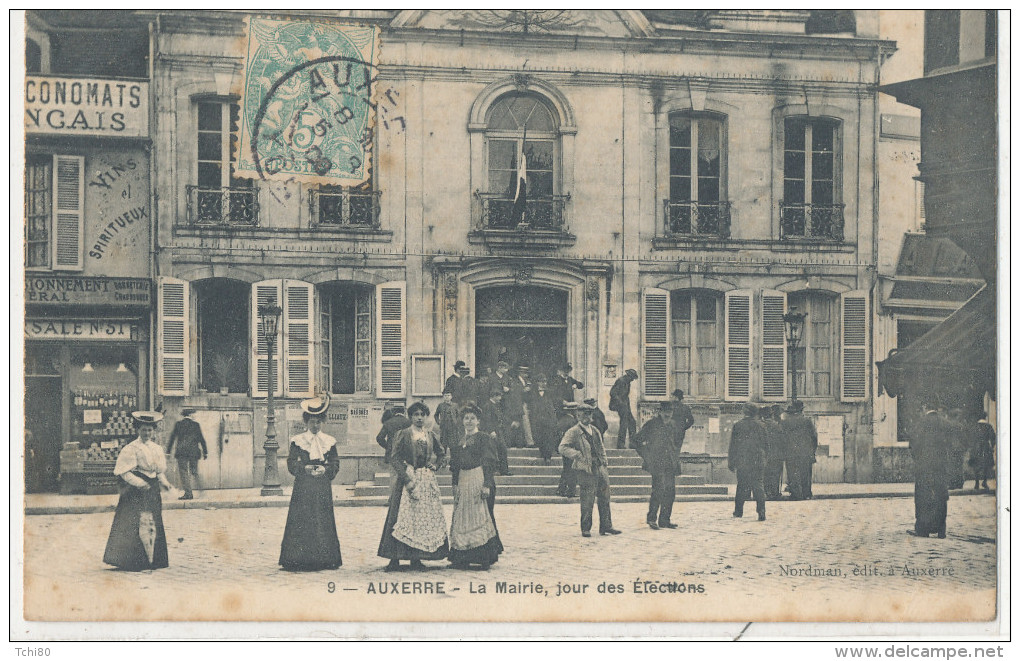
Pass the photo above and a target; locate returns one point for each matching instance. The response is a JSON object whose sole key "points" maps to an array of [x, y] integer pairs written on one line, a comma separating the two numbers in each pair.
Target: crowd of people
{"points": [[474, 425]]}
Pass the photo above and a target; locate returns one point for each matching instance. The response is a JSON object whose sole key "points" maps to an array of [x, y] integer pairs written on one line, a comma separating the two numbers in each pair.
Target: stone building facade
{"points": [[691, 176]]}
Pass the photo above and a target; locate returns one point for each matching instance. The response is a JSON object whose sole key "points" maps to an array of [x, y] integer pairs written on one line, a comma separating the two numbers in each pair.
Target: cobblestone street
{"points": [[799, 564]]}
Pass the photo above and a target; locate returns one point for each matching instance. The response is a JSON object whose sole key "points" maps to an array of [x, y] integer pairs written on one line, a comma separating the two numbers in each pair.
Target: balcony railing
{"points": [[687, 219], [233, 207], [811, 221], [540, 214], [344, 208]]}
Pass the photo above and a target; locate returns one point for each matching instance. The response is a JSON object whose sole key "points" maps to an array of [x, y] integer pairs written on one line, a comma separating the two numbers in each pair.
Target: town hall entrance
{"points": [[522, 324]]}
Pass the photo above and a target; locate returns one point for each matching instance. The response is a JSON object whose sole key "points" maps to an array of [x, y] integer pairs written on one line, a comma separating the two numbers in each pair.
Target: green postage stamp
{"points": [[307, 112]]}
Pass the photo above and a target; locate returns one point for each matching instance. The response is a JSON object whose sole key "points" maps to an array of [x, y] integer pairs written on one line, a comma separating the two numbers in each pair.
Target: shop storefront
{"points": [[86, 358]]}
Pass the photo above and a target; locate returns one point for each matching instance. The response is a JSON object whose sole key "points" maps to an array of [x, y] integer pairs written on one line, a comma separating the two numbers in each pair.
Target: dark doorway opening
{"points": [[525, 325]]}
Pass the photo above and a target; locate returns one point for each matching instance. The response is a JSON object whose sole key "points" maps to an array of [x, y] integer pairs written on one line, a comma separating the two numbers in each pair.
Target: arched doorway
{"points": [[525, 324]]}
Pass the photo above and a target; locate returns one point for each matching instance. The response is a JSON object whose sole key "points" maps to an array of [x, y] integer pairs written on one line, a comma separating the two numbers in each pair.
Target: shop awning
{"points": [[958, 353]]}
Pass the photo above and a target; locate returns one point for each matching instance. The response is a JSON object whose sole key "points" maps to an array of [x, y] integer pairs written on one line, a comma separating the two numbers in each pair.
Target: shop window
{"points": [[813, 361], [811, 207], [697, 201], [218, 197], [522, 139], [103, 386], [696, 342], [222, 325], [345, 337]]}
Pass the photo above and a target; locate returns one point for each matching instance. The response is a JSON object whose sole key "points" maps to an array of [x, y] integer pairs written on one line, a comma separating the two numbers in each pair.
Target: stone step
{"points": [[533, 452], [363, 489], [553, 478], [551, 499], [622, 460]]}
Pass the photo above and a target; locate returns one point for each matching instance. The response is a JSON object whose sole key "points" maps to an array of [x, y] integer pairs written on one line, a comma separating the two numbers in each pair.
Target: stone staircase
{"points": [[534, 481]]}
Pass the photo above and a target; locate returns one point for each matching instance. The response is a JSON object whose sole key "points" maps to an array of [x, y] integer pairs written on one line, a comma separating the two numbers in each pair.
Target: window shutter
{"points": [[391, 326], [68, 212], [298, 328], [773, 345], [267, 292], [173, 337], [738, 345], [854, 346], [655, 347]]}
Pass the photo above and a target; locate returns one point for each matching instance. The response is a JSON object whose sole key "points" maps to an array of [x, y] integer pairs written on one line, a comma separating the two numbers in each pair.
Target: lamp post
{"points": [[794, 331], [269, 316]]}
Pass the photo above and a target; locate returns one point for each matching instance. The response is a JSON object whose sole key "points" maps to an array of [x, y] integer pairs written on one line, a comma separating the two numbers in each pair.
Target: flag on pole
{"points": [[521, 192]]}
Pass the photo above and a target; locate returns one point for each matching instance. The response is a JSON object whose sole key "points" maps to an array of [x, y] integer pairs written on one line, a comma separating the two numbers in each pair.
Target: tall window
{"points": [[223, 334], [810, 191], [813, 360], [345, 335], [220, 197], [38, 214], [697, 343], [522, 123], [695, 204]]}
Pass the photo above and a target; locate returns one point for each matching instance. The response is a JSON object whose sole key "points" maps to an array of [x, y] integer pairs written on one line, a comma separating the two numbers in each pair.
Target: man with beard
{"points": [[582, 445], [659, 443]]}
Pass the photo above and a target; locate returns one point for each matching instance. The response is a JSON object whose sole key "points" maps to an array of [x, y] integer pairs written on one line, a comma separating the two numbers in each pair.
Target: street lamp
{"points": [[269, 317], [794, 331]]}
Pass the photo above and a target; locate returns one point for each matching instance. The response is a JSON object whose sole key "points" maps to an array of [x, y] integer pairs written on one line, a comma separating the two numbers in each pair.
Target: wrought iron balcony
{"points": [[335, 207], [693, 219], [223, 206], [543, 214], [811, 221]]}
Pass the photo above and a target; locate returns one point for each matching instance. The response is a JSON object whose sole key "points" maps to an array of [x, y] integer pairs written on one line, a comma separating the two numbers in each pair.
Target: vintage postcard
{"points": [[508, 316]]}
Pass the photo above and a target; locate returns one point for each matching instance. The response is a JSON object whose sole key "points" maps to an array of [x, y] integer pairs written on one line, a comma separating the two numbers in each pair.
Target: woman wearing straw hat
{"points": [[137, 540], [415, 527], [473, 464], [310, 541]]}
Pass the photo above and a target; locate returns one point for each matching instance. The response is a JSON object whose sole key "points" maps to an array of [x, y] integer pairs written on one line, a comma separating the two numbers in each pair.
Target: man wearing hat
{"points": [[619, 401], [683, 418], [747, 460], [513, 408], [187, 434], [491, 422], [582, 445], [563, 384], [658, 443], [567, 419], [801, 442], [393, 424], [598, 418]]}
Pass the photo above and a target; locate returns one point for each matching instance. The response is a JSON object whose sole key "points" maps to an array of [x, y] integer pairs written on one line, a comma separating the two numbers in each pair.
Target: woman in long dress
{"points": [[310, 540], [415, 527], [473, 464], [137, 540]]}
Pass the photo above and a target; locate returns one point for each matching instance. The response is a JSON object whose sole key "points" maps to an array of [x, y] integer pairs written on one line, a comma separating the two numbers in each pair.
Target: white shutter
{"points": [[391, 330], [854, 346], [298, 328], [267, 292], [738, 345], [773, 345], [655, 344], [68, 212], [173, 337]]}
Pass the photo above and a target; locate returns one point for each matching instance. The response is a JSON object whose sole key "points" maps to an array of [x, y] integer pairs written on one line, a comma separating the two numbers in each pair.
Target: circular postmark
{"points": [[316, 121]]}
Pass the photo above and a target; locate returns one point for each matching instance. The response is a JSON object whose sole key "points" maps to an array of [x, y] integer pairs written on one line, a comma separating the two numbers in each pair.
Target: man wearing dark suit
{"points": [[747, 460], [659, 443], [598, 418], [453, 381], [801, 443], [771, 419], [582, 445], [567, 419], [492, 423], [619, 401], [683, 418], [513, 408], [190, 448], [563, 385], [393, 424]]}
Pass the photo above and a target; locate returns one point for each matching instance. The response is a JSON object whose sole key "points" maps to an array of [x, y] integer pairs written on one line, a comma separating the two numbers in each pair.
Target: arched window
{"points": [[696, 318], [522, 155], [814, 361]]}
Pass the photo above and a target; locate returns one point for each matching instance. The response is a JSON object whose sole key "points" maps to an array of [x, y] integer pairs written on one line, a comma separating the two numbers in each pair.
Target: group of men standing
{"points": [[762, 443]]}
